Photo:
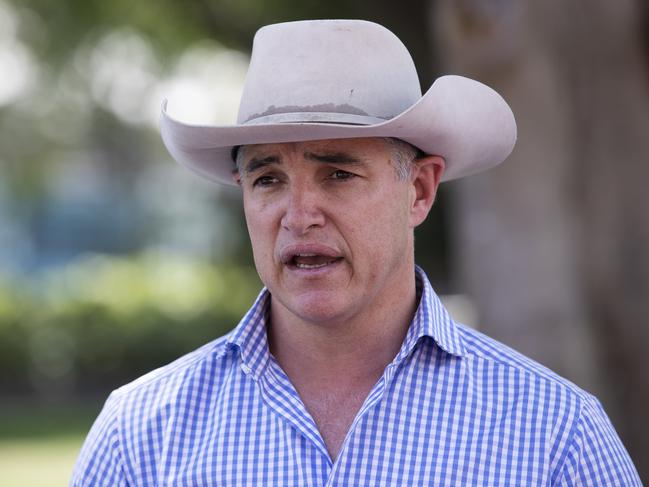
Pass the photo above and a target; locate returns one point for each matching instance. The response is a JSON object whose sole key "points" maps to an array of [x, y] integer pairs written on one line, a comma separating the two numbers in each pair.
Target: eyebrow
{"points": [[259, 162], [256, 163]]}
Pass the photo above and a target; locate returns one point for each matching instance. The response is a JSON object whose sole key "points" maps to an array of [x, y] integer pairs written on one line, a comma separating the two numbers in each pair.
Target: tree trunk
{"points": [[554, 245]]}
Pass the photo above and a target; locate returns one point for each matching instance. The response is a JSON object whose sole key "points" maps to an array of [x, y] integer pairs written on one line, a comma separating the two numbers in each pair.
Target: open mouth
{"points": [[312, 261]]}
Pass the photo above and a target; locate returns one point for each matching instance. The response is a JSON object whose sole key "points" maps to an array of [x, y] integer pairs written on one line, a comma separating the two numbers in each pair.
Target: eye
{"points": [[341, 175], [265, 181]]}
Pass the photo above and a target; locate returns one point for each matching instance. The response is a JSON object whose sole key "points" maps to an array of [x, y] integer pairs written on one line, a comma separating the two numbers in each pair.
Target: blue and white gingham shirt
{"points": [[454, 408]]}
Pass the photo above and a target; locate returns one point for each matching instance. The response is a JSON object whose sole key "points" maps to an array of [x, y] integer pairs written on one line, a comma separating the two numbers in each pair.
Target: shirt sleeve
{"points": [[100, 462], [596, 456]]}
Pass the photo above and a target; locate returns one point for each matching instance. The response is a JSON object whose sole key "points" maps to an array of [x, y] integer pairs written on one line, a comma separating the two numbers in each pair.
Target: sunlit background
{"points": [[115, 260]]}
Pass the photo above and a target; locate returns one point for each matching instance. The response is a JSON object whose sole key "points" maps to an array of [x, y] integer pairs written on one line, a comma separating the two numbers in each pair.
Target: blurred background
{"points": [[114, 260]]}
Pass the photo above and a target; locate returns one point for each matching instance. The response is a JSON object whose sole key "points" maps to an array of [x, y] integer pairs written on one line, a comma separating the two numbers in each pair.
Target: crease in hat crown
{"points": [[330, 79], [286, 81]]}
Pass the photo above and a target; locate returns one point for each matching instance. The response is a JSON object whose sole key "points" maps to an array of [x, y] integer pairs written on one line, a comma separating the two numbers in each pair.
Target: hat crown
{"points": [[335, 71]]}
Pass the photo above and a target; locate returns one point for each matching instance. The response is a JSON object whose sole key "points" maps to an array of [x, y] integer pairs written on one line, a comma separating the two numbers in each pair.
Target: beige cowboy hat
{"points": [[334, 79]]}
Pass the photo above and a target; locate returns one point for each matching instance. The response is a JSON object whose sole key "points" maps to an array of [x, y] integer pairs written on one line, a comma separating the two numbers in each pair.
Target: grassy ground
{"points": [[40, 442]]}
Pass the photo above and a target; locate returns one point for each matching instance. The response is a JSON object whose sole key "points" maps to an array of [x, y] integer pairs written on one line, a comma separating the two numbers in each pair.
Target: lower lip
{"points": [[314, 271]]}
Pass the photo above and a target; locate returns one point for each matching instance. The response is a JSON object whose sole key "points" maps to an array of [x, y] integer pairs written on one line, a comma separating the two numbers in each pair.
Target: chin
{"points": [[317, 307]]}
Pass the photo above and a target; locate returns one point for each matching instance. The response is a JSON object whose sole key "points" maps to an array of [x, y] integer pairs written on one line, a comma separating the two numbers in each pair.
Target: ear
{"points": [[427, 174], [236, 177]]}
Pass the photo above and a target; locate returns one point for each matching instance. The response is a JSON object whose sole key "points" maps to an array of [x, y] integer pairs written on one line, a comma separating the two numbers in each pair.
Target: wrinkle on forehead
{"points": [[348, 151]]}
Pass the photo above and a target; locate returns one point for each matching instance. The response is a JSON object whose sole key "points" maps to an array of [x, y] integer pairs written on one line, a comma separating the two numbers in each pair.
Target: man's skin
{"points": [[332, 232]]}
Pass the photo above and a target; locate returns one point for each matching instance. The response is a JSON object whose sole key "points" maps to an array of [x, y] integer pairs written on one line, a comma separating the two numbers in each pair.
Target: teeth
{"points": [[311, 266]]}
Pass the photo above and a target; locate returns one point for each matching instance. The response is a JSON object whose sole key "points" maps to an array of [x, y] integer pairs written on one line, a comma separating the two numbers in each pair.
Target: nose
{"points": [[303, 210]]}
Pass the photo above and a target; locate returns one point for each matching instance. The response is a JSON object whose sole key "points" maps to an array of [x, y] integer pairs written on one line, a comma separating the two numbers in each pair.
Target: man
{"points": [[348, 370]]}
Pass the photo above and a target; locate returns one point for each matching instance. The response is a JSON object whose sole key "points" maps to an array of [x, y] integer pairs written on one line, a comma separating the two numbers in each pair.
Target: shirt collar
{"points": [[249, 337], [431, 320]]}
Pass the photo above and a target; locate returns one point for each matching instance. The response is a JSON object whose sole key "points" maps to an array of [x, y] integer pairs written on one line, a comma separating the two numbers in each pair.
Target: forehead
{"points": [[361, 149]]}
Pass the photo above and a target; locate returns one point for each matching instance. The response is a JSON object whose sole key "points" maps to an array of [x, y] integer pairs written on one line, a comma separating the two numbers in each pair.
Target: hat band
{"points": [[316, 117]]}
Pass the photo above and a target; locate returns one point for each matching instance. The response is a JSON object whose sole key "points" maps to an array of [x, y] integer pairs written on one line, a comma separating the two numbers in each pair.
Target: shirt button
{"points": [[245, 369]]}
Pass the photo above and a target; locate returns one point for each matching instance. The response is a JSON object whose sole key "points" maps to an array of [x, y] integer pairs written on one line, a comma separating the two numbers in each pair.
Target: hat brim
{"points": [[464, 121]]}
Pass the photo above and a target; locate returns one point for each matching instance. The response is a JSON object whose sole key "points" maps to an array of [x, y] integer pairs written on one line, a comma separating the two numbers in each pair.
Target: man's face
{"points": [[330, 224]]}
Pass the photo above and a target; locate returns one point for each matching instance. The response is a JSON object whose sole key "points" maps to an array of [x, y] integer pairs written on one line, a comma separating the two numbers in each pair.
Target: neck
{"points": [[355, 348]]}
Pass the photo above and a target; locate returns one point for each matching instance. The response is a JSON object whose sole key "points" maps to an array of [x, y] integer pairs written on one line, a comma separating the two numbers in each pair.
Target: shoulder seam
{"points": [[120, 441], [569, 442], [547, 375], [214, 348]]}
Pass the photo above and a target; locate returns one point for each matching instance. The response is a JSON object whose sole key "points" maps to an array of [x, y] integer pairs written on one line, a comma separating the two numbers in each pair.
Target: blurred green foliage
{"points": [[101, 321], [56, 28], [66, 153]]}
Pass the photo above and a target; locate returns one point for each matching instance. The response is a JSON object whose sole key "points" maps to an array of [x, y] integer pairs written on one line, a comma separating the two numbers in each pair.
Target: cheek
{"points": [[382, 228], [260, 233]]}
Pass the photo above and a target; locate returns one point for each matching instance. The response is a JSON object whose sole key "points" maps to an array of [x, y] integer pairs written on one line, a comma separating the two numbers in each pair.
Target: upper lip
{"points": [[290, 251]]}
